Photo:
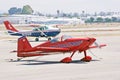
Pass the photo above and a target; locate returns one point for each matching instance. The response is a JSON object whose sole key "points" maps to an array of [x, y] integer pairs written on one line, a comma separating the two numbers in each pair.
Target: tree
{"points": [[91, 19], [12, 10], [108, 20], [27, 10], [114, 19], [99, 19], [75, 15], [19, 11]]}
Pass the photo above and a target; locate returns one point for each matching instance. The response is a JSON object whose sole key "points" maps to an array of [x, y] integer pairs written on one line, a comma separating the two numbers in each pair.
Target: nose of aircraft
{"points": [[56, 31], [92, 40], [59, 30]]}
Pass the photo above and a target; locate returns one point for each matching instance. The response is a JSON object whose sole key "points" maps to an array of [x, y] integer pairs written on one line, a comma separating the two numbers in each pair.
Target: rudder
{"points": [[9, 26], [23, 45]]}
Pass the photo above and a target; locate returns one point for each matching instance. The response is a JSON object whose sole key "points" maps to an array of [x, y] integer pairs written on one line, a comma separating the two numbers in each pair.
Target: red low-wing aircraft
{"points": [[59, 44]]}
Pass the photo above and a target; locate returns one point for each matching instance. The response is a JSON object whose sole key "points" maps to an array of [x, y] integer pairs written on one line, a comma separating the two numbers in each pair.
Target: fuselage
{"points": [[72, 44], [44, 31], [58, 44], [36, 33]]}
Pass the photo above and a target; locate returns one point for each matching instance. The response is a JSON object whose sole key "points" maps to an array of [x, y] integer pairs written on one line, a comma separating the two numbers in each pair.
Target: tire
{"points": [[36, 39], [49, 39]]}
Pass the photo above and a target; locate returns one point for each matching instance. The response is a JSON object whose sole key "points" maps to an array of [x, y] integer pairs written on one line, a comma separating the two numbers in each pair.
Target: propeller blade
{"points": [[96, 44]]}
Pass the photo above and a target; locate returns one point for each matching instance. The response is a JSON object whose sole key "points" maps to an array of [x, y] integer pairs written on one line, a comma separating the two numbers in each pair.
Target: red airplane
{"points": [[59, 44]]}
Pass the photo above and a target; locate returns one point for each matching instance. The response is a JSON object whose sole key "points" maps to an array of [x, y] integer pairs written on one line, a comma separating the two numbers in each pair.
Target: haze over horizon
{"points": [[51, 6]]}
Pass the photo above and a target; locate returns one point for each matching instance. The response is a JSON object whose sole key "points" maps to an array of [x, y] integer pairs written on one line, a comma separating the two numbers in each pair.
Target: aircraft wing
{"points": [[47, 49], [53, 49]]}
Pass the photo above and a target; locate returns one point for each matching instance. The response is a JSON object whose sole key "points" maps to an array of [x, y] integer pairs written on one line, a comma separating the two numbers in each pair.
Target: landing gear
{"points": [[69, 59], [49, 38], [36, 39], [18, 59], [86, 58], [66, 60]]}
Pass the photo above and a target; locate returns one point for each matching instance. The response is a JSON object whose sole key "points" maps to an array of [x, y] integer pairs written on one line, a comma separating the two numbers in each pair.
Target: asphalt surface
{"points": [[105, 64]]}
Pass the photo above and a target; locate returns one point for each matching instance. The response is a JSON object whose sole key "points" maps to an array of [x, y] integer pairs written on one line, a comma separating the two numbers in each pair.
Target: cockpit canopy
{"points": [[41, 28], [45, 27], [62, 38]]}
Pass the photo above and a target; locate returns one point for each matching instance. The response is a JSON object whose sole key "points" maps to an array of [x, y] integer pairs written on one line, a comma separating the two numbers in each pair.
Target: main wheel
{"points": [[66, 60], [36, 39], [49, 39], [87, 59]]}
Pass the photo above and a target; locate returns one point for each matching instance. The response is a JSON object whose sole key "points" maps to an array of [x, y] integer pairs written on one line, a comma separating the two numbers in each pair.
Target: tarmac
{"points": [[105, 64]]}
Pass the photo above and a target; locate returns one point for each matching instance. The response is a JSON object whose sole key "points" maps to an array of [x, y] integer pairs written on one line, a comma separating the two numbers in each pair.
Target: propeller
{"points": [[96, 44], [94, 54], [99, 45]]}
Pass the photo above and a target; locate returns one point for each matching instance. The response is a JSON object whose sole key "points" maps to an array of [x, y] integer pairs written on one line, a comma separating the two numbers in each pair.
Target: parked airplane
{"points": [[59, 44], [42, 31]]}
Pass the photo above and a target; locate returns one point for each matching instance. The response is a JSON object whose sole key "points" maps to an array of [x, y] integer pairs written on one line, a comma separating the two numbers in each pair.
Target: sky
{"points": [[68, 6]]}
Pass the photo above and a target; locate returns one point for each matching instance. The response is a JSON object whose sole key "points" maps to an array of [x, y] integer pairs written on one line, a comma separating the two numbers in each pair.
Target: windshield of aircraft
{"points": [[41, 28], [62, 38]]}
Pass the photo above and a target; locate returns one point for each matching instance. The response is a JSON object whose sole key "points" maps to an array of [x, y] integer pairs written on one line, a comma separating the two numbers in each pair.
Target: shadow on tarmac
{"points": [[37, 62]]}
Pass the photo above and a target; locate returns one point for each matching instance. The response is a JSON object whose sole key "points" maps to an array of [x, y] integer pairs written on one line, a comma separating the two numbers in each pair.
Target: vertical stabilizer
{"points": [[23, 46], [9, 26]]}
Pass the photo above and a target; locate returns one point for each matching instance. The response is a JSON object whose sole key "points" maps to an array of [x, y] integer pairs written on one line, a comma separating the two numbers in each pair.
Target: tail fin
{"points": [[23, 46], [9, 26]]}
